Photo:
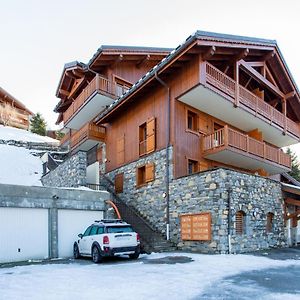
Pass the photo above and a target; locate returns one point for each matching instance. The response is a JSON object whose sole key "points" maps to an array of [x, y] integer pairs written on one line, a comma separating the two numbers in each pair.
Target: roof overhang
{"points": [[205, 40]]}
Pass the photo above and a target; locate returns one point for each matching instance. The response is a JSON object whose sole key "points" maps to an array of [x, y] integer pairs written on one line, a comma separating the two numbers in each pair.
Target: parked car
{"points": [[107, 238]]}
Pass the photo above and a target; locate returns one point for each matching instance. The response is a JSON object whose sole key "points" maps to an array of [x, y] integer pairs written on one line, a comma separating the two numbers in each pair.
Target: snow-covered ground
{"points": [[133, 280], [19, 166], [10, 133]]}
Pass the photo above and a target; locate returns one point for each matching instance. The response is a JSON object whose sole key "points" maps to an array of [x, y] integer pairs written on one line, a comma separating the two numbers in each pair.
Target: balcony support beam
{"points": [[257, 76], [236, 78]]}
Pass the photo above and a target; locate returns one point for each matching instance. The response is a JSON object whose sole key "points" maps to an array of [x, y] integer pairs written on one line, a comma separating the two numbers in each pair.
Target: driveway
{"points": [[263, 275]]}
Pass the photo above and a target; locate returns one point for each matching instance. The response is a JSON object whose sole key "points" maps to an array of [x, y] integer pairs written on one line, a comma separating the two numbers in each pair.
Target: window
{"points": [[147, 137], [270, 220], [145, 174], [122, 86], [240, 218], [119, 229], [94, 230], [192, 121], [87, 232], [119, 180], [192, 166], [100, 230]]}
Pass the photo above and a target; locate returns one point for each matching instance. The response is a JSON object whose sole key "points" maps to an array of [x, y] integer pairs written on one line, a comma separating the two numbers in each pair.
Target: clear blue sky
{"points": [[38, 37]]}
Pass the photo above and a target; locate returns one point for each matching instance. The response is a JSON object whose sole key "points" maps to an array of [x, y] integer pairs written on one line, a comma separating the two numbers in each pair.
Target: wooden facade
{"points": [[13, 112], [232, 103]]}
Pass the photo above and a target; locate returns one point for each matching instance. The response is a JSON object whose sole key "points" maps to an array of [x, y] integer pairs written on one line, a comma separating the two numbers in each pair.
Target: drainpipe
{"points": [[229, 220], [167, 154]]}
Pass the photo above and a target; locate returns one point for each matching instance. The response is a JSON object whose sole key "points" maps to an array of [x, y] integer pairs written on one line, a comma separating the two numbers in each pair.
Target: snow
{"points": [[10, 133], [19, 166], [131, 280]]}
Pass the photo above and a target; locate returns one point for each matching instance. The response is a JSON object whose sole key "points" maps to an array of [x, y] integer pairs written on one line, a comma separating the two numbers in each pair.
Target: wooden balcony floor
{"points": [[212, 102], [240, 159]]}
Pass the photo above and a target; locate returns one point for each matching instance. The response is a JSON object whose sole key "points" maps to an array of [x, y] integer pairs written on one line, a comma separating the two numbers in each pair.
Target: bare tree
{"points": [[8, 114]]}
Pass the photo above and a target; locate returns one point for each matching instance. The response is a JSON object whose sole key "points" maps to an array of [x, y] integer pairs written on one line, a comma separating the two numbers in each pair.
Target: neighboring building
{"points": [[12, 112], [190, 145]]}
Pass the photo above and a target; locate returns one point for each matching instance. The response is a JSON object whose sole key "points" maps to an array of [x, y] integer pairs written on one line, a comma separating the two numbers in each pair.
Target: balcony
{"points": [[97, 95], [233, 148], [87, 137], [220, 96]]}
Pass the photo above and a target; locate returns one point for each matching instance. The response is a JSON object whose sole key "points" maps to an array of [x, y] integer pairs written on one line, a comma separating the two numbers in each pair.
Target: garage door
{"points": [[70, 224], [23, 234]]}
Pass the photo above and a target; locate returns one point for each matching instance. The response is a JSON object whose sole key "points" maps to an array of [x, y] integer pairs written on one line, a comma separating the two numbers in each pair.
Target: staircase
{"points": [[151, 240]]}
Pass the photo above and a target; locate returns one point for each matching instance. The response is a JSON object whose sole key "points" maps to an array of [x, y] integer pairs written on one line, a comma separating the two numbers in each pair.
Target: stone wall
{"points": [[208, 191], [71, 173]]}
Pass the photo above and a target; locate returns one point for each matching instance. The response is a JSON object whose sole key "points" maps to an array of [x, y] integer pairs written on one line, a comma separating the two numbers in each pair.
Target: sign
{"points": [[196, 227]]}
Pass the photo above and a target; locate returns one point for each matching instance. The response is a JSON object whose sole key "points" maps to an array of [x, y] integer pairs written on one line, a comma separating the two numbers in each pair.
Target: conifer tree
{"points": [[38, 124], [295, 172]]}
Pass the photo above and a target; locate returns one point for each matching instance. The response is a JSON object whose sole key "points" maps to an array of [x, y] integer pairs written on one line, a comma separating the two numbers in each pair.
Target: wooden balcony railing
{"points": [[255, 104], [88, 131], [98, 84], [65, 138], [228, 137]]}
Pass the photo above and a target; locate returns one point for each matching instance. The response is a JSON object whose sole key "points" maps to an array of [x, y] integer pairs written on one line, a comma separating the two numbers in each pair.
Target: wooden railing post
{"points": [[97, 83], [237, 85], [283, 102], [202, 72], [226, 136]]}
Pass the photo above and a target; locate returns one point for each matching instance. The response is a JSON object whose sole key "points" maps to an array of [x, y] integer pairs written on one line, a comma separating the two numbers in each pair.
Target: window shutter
{"points": [[119, 180], [270, 218], [151, 135], [150, 169], [121, 150], [239, 219]]}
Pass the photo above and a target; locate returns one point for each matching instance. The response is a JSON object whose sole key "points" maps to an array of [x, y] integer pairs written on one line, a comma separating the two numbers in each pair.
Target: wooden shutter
{"points": [[150, 172], [239, 219], [121, 150], [119, 180], [151, 135]]}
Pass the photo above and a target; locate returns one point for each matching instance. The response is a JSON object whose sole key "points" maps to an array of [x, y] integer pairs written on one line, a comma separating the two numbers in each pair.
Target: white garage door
{"points": [[23, 234], [70, 224]]}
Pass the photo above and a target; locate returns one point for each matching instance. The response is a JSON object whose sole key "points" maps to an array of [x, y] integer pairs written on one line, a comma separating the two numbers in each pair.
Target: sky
{"points": [[39, 36]]}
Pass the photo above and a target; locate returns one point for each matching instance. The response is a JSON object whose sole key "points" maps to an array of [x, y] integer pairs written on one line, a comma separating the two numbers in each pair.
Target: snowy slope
{"points": [[18, 166], [16, 134]]}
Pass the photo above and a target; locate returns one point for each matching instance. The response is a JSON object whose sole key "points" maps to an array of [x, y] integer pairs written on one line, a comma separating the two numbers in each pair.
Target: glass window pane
{"points": [[87, 232]]}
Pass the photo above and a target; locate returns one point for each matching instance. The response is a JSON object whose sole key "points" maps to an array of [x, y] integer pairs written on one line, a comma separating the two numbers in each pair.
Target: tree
{"points": [[38, 124], [8, 114], [295, 172]]}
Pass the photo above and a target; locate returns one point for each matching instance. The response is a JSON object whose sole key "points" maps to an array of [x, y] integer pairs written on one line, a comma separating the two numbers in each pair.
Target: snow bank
{"points": [[10, 133], [18, 166], [129, 280]]}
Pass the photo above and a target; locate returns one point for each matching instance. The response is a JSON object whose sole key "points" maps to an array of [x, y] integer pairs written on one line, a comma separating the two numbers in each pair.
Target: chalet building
{"points": [[12, 112], [188, 139]]}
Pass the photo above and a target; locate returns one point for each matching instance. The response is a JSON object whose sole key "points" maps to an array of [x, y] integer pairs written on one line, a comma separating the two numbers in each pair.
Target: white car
{"points": [[107, 238]]}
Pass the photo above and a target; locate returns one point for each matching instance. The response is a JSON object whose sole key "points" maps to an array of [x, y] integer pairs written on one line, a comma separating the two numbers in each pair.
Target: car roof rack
{"points": [[110, 221]]}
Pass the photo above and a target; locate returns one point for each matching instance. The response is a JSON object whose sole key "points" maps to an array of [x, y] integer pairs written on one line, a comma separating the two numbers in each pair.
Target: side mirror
{"points": [[80, 235]]}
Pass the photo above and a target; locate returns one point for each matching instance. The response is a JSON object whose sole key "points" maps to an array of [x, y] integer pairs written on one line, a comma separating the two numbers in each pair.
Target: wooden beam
{"points": [[274, 102], [256, 75], [269, 55], [292, 201], [290, 95], [256, 63], [64, 92], [242, 54], [117, 60], [143, 61], [269, 74], [208, 54]]}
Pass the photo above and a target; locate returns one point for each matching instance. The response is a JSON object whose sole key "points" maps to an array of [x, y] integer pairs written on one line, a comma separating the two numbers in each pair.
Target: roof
{"points": [[198, 35], [117, 49], [291, 179], [289, 188], [13, 99]]}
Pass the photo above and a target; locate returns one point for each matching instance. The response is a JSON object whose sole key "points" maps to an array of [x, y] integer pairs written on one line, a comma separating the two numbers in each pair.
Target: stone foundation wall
{"points": [[71, 173], [208, 191]]}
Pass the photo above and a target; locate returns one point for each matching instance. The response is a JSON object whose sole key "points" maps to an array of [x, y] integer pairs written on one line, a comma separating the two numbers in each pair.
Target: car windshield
{"points": [[119, 229]]}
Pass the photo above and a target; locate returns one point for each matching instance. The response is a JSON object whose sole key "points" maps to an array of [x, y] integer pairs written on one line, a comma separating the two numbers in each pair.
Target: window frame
{"points": [[196, 164], [144, 169], [270, 222], [196, 124], [243, 222]]}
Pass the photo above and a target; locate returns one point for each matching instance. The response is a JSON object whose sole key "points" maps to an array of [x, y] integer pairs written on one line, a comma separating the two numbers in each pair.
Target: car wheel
{"points": [[76, 252], [135, 255], [96, 256]]}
